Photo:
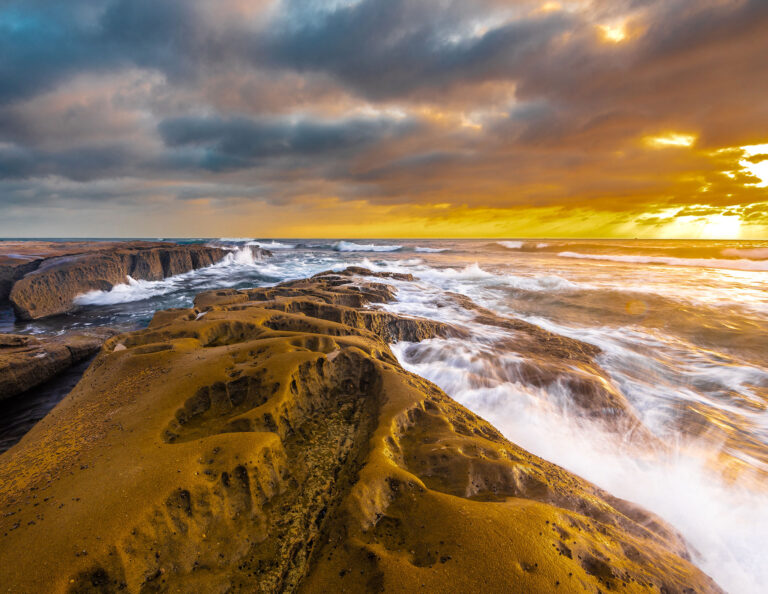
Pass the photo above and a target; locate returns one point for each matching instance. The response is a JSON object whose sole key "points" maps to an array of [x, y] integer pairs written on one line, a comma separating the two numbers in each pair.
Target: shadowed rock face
{"points": [[268, 441], [28, 361], [47, 284], [11, 270], [18, 258]]}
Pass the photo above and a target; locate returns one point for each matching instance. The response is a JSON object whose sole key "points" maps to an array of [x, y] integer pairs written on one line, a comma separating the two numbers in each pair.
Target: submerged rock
{"points": [[269, 441], [28, 361]]}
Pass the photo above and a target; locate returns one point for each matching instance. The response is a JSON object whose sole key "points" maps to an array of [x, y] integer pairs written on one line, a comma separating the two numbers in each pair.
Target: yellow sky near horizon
{"points": [[734, 172]]}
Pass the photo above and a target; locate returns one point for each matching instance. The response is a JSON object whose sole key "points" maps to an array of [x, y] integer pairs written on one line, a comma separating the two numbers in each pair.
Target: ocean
{"points": [[682, 333]]}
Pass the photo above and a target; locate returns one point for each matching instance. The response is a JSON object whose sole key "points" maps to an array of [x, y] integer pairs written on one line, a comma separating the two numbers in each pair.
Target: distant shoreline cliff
{"points": [[42, 279]]}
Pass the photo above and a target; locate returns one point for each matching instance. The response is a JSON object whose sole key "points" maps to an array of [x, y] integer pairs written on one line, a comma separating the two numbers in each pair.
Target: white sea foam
{"points": [[472, 272], [751, 254], [669, 261], [272, 245], [348, 246], [138, 290], [429, 250], [447, 278], [132, 290], [243, 256], [511, 245], [725, 523]]}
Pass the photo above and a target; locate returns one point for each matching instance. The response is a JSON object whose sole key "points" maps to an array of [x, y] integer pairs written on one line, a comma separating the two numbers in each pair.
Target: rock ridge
{"points": [[268, 441]]}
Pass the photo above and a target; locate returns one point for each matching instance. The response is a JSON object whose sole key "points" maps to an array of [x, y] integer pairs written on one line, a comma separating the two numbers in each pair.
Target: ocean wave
{"points": [[473, 272], [429, 250], [348, 246], [235, 239], [139, 290], [511, 245], [272, 245], [243, 256], [749, 253], [132, 290], [670, 261], [549, 282]]}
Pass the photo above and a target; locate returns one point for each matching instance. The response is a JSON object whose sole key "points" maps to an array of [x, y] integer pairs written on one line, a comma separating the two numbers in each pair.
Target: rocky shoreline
{"points": [[42, 279], [268, 440], [28, 361]]}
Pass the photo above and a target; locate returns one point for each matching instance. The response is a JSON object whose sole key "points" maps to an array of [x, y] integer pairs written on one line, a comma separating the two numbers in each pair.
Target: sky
{"points": [[384, 118]]}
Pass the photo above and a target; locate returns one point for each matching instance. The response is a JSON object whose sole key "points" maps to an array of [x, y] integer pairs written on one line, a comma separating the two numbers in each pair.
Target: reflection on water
{"points": [[20, 413]]}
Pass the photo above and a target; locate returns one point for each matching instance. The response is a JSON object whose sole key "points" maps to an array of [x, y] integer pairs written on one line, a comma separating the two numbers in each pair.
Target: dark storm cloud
{"points": [[241, 142], [391, 49], [43, 42], [484, 103], [78, 163]]}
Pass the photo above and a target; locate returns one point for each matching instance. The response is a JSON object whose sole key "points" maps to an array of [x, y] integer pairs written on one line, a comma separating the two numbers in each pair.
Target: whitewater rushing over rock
{"points": [[641, 368], [276, 445], [140, 290], [54, 284]]}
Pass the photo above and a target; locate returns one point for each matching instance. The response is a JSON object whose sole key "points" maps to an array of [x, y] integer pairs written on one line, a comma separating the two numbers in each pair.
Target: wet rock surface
{"points": [[268, 441], [19, 257], [28, 361], [42, 278]]}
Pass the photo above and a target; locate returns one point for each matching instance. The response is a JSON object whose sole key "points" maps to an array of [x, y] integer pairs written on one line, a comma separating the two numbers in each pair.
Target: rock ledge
{"points": [[269, 441]]}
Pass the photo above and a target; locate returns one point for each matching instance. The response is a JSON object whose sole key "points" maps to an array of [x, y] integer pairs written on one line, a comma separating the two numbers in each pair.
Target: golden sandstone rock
{"points": [[268, 441]]}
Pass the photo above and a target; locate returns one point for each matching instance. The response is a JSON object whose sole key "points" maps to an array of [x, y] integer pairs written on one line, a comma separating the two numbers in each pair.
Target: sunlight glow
{"points": [[760, 168], [613, 33], [550, 7], [674, 223], [670, 139], [721, 227]]}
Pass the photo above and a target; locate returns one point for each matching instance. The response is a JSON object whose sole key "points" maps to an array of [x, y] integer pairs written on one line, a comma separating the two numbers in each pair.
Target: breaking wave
{"points": [[348, 246], [749, 253], [132, 290], [429, 250], [670, 261], [272, 245], [511, 245], [139, 290]]}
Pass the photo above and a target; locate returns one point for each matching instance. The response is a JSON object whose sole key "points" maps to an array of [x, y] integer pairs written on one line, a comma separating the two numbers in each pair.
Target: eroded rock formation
{"points": [[28, 361], [19, 257], [45, 279], [268, 441]]}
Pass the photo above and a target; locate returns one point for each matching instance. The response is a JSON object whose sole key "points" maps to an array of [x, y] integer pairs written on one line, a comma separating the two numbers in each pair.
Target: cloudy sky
{"points": [[372, 118]]}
